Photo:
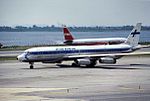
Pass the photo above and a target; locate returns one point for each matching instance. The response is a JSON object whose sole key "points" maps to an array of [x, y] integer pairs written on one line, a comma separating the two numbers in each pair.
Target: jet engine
{"points": [[85, 61], [107, 60]]}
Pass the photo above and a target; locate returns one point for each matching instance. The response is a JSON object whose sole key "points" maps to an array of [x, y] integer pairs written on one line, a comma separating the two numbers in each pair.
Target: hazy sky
{"points": [[74, 12]]}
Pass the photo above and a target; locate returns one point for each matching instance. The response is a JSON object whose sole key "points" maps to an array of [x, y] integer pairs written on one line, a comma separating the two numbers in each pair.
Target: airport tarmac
{"points": [[128, 80]]}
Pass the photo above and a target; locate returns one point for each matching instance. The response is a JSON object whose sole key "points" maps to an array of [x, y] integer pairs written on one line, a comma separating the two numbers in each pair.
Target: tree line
{"points": [[53, 28]]}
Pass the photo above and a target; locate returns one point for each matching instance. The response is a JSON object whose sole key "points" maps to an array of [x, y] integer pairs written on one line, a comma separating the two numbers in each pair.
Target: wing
{"points": [[105, 55]]}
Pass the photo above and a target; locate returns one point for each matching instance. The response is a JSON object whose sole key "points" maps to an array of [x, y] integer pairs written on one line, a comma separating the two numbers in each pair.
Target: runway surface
{"points": [[128, 80]]}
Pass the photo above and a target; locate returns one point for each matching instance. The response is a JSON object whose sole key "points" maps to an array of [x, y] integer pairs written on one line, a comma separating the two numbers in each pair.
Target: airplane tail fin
{"points": [[133, 37], [67, 34]]}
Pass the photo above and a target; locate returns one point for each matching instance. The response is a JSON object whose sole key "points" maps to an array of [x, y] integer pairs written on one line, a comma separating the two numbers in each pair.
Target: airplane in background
{"points": [[70, 40], [84, 55]]}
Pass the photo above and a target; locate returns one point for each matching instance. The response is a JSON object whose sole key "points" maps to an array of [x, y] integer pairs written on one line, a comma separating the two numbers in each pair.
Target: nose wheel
{"points": [[31, 65]]}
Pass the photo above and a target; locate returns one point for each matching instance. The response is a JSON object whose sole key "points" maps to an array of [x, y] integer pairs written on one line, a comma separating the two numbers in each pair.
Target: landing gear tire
{"points": [[91, 65], [74, 65], [31, 65]]}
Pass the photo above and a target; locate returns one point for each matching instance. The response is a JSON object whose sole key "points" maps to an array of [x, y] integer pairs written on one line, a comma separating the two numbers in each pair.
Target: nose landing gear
{"points": [[31, 65]]}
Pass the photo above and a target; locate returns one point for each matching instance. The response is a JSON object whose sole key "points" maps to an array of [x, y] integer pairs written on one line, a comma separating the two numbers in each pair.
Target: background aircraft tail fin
{"points": [[67, 34], [133, 37]]}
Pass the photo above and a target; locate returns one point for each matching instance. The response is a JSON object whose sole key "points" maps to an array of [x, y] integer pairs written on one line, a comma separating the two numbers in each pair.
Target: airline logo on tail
{"points": [[67, 34], [134, 33], [133, 38]]}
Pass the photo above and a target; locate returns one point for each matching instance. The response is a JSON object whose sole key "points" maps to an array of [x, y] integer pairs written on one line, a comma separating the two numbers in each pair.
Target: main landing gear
{"points": [[31, 65]]}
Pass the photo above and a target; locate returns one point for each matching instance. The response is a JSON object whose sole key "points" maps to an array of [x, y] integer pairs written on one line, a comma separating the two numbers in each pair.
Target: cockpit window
{"points": [[26, 52]]}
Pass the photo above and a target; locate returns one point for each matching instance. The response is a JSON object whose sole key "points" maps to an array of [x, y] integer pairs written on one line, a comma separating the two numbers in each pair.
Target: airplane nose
{"points": [[21, 57]]}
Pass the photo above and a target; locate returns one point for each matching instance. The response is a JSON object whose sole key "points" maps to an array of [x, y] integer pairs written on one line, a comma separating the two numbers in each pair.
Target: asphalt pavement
{"points": [[128, 80]]}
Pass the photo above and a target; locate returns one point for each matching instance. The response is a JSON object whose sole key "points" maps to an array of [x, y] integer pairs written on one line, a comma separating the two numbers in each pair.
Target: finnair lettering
{"points": [[64, 49]]}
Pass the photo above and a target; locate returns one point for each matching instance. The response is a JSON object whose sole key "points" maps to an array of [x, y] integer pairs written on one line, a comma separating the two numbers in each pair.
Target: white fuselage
{"points": [[100, 40], [97, 41], [58, 53]]}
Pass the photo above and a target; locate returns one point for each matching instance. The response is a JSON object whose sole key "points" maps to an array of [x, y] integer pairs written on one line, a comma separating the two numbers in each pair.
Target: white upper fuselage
{"points": [[99, 40], [59, 52]]}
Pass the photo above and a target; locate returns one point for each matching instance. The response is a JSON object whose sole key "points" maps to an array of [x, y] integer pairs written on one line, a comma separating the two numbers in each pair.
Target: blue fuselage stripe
{"points": [[79, 51]]}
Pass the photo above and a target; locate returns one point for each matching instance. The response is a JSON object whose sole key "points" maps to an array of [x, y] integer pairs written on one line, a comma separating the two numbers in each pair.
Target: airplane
{"points": [[70, 40], [84, 55]]}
